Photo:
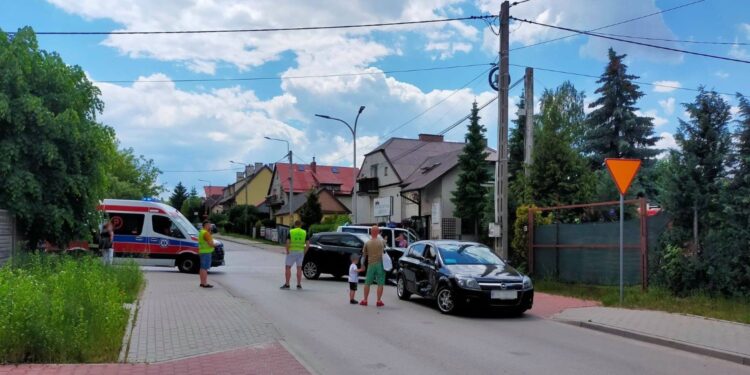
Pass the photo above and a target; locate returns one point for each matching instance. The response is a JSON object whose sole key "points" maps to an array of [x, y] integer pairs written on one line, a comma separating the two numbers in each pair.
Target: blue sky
{"points": [[201, 126]]}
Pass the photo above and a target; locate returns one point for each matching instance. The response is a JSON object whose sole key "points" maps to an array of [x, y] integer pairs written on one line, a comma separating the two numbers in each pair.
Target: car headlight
{"points": [[468, 283], [527, 283]]}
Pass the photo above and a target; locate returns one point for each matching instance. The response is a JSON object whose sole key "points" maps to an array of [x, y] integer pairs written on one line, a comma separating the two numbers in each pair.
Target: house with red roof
{"points": [[333, 182], [213, 195]]}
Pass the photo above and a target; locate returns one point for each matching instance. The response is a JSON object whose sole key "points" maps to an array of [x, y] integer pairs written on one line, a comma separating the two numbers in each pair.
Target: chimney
{"points": [[240, 175], [258, 167], [314, 166], [430, 138], [249, 170]]}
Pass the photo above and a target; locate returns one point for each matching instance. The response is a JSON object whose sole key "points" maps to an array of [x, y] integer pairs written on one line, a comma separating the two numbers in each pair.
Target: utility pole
{"points": [[528, 103], [501, 167], [291, 190]]}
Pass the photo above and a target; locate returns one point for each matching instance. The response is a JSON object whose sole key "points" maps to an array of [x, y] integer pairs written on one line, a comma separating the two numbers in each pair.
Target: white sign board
{"points": [[382, 207], [494, 230], [436, 212]]}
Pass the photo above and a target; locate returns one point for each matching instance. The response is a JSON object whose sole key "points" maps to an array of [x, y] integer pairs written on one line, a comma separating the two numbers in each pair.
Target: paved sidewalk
{"points": [[547, 305], [716, 338], [243, 241], [178, 319]]}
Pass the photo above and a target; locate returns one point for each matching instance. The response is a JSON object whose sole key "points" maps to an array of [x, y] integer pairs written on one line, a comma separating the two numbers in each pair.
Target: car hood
{"points": [[486, 271], [218, 243]]}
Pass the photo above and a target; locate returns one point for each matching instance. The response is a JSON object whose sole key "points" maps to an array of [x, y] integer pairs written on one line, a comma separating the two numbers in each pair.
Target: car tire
{"points": [[188, 264], [311, 270], [401, 291], [446, 300]]}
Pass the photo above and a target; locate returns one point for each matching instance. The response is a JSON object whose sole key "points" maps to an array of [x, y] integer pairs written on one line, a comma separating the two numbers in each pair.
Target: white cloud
{"points": [[721, 74], [666, 142], [657, 120], [739, 52], [340, 151], [667, 105], [666, 86], [734, 110], [589, 14]]}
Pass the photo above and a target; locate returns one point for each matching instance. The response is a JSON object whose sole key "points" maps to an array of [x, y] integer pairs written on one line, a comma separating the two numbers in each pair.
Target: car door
{"points": [[426, 271], [165, 239], [410, 265], [349, 244], [129, 240], [328, 253]]}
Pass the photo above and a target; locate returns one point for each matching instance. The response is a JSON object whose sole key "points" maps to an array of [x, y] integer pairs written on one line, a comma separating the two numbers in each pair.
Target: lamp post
{"points": [[209, 188], [291, 178], [354, 162], [244, 172]]}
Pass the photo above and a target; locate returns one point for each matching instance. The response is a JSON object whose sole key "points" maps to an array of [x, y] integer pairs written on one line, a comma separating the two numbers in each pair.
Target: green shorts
{"points": [[375, 274]]}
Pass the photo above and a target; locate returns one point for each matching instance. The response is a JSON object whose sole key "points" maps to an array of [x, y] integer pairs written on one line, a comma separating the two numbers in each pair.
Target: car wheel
{"points": [[401, 288], [188, 264], [446, 300], [310, 270]]}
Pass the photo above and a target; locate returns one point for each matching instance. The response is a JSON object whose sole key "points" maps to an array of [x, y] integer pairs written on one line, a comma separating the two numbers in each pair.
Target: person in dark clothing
{"points": [[106, 242]]}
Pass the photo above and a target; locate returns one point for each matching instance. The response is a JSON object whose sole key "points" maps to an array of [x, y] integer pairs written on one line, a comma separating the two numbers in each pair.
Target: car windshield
{"points": [[362, 236], [465, 253], [184, 224]]}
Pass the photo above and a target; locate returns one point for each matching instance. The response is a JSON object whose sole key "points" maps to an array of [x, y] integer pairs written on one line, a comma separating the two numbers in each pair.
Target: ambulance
{"points": [[155, 234]]}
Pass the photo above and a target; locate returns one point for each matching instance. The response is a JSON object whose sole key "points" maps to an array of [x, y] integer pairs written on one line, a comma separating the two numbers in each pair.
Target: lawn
{"points": [[61, 309], [655, 298]]}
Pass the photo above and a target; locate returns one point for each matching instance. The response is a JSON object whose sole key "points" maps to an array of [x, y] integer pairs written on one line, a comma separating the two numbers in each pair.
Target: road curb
{"points": [[674, 344], [133, 307]]}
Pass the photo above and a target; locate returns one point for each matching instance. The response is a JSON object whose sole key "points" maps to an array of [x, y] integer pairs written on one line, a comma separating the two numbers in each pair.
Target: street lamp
{"points": [[291, 178], [354, 163], [246, 188], [209, 189]]}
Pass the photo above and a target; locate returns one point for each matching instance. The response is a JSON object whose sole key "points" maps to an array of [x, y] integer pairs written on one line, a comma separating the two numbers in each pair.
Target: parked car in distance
{"points": [[390, 233], [460, 274], [330, 252]]}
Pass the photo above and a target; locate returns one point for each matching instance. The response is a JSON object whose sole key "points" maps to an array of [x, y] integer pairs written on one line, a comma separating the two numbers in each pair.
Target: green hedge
{"points": [[59, 309]]}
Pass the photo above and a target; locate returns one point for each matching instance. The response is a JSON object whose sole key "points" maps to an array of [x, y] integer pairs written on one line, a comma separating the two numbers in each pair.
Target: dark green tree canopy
{"points": [[473, 173], [53, 153], [179, 195], [311, 213], [613, 129], [132, 177]]}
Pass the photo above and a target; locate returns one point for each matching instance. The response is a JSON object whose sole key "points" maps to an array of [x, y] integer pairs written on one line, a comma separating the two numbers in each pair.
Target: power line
{"points": [[519, 2], [233, 79], [677, 40], [203, 170], [633, 42], [611, 25], [597, 77], [438, 103], [227, 31]]}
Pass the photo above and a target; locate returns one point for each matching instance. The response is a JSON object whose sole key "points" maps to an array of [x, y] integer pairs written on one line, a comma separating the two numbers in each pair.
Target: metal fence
{"points": [[589, 252], [7, 236]]}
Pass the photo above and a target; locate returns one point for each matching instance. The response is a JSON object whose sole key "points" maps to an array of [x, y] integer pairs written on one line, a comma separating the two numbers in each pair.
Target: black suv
{"points": [[330, 252]]}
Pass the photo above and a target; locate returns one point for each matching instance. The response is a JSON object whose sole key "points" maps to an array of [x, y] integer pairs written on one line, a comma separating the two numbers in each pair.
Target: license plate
{"points": [[503, 294]]}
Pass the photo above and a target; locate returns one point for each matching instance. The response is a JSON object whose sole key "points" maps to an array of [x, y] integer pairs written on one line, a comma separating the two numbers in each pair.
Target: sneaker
{"points": [[206, 286], [285, 286], [363, 303], [299, 287], [353, 301], [380, 304]]}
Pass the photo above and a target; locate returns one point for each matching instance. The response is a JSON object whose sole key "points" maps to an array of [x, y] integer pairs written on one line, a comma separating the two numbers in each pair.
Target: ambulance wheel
{"points": [[188, 264]]}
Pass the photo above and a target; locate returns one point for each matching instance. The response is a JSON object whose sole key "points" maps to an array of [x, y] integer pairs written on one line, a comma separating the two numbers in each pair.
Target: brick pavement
{"points": [[271, 358], [717, 338], [547, 305]]}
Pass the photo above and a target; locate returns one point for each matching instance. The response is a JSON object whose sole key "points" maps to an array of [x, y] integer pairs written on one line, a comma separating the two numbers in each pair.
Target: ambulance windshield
{"points": [[184, 224]]}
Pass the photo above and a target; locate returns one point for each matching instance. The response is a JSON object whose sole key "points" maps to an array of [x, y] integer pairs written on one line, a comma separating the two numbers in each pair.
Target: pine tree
{"points": [[470, 192], [179, 195], [739, 191], [614, 130], [311, 213], [699, 169], [516, 143], [559, 174]]}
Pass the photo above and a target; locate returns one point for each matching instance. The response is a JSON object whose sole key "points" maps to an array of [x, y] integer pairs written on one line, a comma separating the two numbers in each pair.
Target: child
{"points": [[354, 278]]}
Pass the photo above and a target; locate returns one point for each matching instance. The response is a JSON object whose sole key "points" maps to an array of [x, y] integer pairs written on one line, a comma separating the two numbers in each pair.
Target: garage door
{"points": [[7, 237]]}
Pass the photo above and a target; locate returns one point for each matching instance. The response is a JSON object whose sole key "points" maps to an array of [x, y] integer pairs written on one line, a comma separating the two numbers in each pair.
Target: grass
{"points": [[246, 237], [732, 309], [60, 309]]}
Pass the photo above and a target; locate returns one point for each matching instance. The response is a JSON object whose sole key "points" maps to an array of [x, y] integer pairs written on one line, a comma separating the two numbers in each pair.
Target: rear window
{"points": [[329, 240]]}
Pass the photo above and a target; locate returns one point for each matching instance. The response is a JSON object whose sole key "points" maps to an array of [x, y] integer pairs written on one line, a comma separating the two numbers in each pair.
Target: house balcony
{"points": [[274, 201], [367, 186]]}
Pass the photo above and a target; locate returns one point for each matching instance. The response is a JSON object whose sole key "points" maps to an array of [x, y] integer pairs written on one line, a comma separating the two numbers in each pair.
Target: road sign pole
{"points": [[622, 220]]}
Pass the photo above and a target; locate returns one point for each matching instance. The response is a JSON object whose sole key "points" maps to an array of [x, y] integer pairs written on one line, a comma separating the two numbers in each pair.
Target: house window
{"points": [[374, 171], [385, 171]]}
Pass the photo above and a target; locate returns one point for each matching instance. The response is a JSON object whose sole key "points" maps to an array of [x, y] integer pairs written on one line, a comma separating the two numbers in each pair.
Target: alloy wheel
{"points": [[445, 300], [310, 270]]}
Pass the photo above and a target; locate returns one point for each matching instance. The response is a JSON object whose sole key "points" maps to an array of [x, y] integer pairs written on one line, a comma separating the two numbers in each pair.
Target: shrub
{"points": [[62, 309], [520, 241]]}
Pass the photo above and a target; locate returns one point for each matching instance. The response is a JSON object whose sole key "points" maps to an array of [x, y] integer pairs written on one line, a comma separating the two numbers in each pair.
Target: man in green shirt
{"points": [[296, 247], [205, 252]]}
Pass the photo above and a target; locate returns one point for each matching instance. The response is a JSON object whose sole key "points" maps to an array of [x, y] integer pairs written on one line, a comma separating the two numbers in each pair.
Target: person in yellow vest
{"points": [[296, 247], [205, 252]]}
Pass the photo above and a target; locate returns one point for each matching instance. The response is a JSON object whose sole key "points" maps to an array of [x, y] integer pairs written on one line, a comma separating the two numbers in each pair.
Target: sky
{"points": [[192, 130]]}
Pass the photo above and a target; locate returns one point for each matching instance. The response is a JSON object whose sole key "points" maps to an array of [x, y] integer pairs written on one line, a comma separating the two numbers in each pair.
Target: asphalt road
{"points": [[411, 337]]}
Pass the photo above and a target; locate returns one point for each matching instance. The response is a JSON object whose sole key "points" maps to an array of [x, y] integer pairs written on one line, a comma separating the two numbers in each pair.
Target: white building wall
{"points": [[386, 177]]}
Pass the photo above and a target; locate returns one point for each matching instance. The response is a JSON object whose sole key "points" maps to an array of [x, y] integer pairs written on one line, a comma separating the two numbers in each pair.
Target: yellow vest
{"points": [[298, 237], [203, 246]]}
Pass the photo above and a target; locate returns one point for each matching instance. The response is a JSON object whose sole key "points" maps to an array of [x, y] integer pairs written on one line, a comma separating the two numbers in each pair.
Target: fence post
{"points": [[530, 234], [557, 248], [644, 243]]}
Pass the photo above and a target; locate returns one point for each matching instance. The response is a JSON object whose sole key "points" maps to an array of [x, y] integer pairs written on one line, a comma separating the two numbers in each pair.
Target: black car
{"points": [[330, 252], [457, 274]]}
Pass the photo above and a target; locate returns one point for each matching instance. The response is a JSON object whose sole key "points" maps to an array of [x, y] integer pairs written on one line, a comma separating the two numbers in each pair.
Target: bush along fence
{"points": [[60, 309]]}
